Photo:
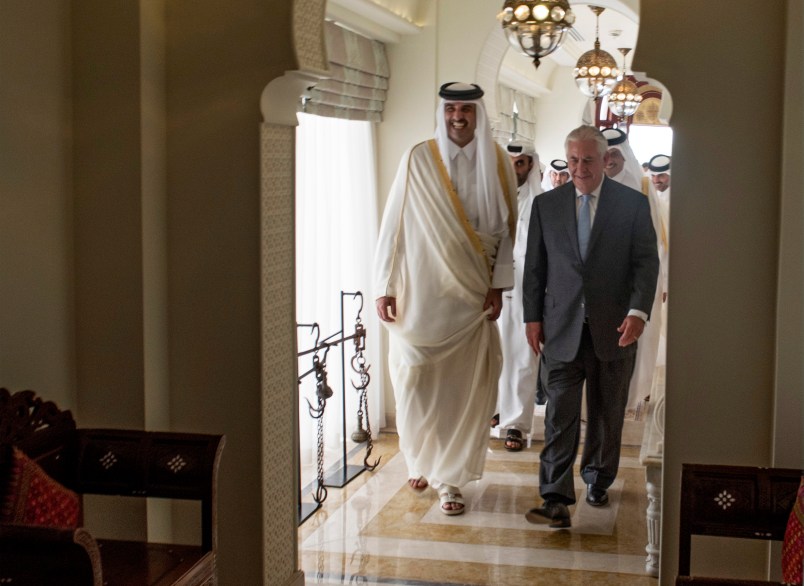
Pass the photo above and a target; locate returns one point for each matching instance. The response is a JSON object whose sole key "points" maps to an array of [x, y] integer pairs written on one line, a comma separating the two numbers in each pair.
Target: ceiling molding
{"points": [[522, 84], [370, 20]]}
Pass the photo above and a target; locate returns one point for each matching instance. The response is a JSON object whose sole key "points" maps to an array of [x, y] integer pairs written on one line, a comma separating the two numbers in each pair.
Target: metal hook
{"points": [[320, 494], [360, 310], [371, 467], [315, 412], [364, 376], [317, 328]]}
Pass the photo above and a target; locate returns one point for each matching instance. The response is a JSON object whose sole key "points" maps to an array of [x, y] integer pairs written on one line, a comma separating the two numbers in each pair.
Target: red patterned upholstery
{"points": [[793, 545], [31, 497]]}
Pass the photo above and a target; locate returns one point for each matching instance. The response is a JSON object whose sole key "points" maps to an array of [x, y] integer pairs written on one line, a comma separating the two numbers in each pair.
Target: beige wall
{"points": [[36, 246], [219, 58], [788, 448], [107, 207], [146, 163], [725, 270]]}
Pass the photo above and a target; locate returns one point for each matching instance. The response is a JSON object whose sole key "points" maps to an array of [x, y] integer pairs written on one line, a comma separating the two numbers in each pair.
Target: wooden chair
{"points": [[106, 462], [732, 501]]}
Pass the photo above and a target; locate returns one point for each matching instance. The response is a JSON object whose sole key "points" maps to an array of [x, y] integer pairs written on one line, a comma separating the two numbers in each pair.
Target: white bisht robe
{"points": [[517, 388], [444, 356]]}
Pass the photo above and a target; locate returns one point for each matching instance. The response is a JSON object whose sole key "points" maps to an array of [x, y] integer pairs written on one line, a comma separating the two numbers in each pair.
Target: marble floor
{"points": [[377, 531]]}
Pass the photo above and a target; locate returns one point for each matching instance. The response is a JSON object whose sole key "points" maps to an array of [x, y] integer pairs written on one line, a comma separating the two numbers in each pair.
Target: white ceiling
{"points": [[618, 28]]}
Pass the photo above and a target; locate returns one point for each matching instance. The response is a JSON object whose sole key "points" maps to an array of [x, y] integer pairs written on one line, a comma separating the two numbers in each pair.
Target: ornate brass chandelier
{"points": [[625, 98], [536, 28], [596, 72]]}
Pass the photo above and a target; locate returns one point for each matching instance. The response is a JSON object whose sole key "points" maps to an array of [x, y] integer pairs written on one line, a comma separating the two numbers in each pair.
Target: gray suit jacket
{"points": [[620, 272]]}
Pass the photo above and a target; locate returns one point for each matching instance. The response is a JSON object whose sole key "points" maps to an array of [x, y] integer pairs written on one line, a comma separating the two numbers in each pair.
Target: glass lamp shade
{"points": [[536, 28], [624, 99], [596, 72]]}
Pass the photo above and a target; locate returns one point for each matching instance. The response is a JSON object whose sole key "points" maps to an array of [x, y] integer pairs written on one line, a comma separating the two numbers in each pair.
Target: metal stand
{"points": [[346, 473], [306, 510]]}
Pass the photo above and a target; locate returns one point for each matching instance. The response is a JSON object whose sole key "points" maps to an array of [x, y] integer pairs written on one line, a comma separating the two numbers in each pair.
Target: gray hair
{"points": [[588, 133]]}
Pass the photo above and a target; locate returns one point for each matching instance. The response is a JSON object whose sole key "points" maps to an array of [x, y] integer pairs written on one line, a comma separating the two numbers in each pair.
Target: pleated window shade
{"points": [[358, 84], [526, 115]]}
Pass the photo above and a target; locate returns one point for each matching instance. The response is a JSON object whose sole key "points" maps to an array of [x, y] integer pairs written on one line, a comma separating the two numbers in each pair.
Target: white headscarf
{"points": [[547, 181], [535, 176], [657, 164], [491, 206], [525, 147], [631, 175]]}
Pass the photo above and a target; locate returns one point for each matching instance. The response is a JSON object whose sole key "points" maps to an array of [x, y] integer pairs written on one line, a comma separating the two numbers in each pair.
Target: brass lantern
{"points": [[536, 28], [596, 72], [625, 97]]}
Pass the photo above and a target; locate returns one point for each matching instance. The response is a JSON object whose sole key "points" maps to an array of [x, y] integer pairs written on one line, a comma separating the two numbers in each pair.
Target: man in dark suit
{"points": [[589, 280]]}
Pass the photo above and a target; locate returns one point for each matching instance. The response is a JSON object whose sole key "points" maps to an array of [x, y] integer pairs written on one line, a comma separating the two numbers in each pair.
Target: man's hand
{"points": [[386, 308], [495, 302], [631, 328], [535, 335]]}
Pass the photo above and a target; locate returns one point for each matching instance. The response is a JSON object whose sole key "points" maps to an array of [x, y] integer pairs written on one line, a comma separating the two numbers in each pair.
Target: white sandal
{"points": [[451, 495]]}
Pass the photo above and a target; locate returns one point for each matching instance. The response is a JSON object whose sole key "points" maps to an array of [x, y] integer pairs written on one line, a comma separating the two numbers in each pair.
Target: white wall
{"points": [[558, 113]]}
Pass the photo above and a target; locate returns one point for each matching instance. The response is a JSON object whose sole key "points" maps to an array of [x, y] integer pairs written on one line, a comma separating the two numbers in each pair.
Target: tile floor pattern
{"points": [[377, 531]]}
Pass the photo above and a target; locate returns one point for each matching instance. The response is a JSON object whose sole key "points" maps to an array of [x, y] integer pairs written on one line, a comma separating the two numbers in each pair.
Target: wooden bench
{"points": [[732, 501], [105, 462]]}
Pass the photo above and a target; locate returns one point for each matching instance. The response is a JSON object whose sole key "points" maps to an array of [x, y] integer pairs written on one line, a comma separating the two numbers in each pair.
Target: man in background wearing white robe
{"points": [[555, 175], [444, 257], [659, 173], [517, 391], [624, 167]]}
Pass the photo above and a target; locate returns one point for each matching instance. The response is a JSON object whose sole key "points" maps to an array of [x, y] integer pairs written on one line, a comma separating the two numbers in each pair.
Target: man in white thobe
{"points": [[659, 173], [518, 380], [444, 257], [624, 167]]}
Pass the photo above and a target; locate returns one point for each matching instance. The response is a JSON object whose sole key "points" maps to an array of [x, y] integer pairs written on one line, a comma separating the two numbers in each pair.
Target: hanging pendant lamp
{"points": [[596, 72], [536, 28], [625, 98]]}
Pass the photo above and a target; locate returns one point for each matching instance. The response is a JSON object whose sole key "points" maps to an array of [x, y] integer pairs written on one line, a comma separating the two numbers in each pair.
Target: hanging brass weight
{"points": [[323, 390], [359, 435]]}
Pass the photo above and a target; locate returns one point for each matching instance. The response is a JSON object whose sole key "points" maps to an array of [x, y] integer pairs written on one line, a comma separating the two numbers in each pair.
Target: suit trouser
{"points": [[606, 398]]}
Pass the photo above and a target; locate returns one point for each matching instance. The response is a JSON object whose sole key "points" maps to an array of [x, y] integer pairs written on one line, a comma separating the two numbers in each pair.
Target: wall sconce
{"points": [[536, 28]]}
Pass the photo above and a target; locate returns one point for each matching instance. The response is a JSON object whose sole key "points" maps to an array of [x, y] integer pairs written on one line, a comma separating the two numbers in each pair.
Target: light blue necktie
{"points": [[584, 224]]}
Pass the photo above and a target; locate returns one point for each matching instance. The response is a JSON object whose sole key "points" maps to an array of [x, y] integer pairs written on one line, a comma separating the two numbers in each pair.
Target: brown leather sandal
{"points": [[513, 440]]}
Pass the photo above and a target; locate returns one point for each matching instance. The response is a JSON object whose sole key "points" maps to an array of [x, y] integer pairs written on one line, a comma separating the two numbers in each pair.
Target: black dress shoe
{"points": [[557, 512], [597, 497]]}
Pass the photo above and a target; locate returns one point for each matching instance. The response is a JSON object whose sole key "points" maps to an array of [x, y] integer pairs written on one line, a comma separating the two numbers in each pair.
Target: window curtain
{"points": [[510, 126], [359, 78], [336, 233]]}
